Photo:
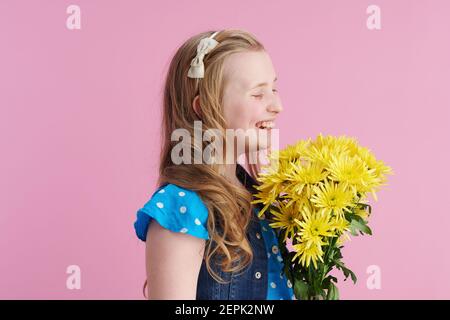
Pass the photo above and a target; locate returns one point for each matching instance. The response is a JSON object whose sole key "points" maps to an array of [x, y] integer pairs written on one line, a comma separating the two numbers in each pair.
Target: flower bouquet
{"points": [[316, 193]]}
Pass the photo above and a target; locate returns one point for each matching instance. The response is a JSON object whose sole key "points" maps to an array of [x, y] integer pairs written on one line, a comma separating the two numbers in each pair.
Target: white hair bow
{"points": [[197, 69]]}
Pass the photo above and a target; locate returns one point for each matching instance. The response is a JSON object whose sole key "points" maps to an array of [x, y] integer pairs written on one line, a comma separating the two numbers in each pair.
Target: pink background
{"points": [[79, 130]]}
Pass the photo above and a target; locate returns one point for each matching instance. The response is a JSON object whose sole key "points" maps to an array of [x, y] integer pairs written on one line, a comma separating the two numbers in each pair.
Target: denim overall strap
{"points": [[251, 282]]}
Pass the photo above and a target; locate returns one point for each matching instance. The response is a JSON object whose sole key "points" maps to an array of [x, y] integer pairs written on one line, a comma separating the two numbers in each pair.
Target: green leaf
{"points": [[359, 225], [349, 215], [333, 292], [323, 293], [347, 272], [338, 254], [327, 280], [333, 279], [365, 205], [301, 289]]}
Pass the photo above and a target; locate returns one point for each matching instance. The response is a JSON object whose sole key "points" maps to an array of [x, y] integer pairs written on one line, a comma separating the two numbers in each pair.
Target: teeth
{"points": [[265, 124]]}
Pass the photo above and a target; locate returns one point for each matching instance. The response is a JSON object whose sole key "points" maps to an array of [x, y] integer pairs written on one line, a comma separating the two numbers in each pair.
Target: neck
{"points": [[229, 172]]}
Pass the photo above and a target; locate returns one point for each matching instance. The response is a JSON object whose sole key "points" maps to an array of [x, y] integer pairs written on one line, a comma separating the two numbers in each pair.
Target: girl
{"points": [[203, 237]]}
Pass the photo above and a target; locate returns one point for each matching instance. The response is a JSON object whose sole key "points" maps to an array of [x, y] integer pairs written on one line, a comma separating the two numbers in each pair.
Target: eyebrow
{"points": [[262, 84]]}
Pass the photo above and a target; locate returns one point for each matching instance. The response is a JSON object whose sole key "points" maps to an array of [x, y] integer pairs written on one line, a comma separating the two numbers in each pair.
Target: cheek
{"points": [[242, 116], [254, 113]]}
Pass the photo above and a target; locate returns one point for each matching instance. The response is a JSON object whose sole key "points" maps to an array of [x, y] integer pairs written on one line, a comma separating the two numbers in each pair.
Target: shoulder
{"points": [[175, 208]]}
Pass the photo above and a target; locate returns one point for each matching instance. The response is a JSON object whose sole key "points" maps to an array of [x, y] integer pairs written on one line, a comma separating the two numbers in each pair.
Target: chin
{"points": [[259, 147]]}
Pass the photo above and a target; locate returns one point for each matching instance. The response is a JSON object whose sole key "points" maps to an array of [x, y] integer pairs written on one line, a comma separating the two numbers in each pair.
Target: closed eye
{"points": [[261, 95]]}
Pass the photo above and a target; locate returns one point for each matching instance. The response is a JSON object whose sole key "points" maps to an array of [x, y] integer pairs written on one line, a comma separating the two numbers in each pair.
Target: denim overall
{"points": [[251, 282]]}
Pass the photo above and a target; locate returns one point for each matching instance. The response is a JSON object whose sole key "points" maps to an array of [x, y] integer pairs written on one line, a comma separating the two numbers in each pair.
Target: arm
{"points": [[173, 262]]}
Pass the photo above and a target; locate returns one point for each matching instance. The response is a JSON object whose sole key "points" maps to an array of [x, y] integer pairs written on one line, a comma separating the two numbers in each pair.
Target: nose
{"points": [[275, 107]]}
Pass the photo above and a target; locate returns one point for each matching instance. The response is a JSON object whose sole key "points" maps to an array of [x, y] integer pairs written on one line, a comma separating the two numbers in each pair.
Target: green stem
{"points": [[326, 262], [311, 285], [285, 255]]}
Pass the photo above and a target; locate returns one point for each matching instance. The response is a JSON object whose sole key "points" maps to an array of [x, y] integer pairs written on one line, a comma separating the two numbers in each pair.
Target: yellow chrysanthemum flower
{"points": [[333, 197], [293, 152], [285, 217], [341, 229], [319, 155], [352, 172], [267, 198], [344, 237], [307, 254], [369, 159], [340, 225], [323, 147], [347, 143], [312, 185], [380, 170], [304, 175], [315, 226], [270, 188], [341, 143], [364, 214]]}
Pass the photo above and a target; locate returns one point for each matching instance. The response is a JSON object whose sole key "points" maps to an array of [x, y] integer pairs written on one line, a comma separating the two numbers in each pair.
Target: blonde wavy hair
{"points": [[228, 205]]}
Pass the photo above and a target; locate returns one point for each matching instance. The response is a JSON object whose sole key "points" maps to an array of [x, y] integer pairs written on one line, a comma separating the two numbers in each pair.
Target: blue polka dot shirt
{"points": [[182, 210]]}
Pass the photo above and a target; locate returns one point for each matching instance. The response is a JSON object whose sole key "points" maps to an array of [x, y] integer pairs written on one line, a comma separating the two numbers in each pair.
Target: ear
{"points": [[196, 106]]}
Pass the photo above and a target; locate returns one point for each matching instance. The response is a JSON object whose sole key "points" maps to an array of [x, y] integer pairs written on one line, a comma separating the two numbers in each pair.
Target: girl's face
{"points": [[251, 100]]}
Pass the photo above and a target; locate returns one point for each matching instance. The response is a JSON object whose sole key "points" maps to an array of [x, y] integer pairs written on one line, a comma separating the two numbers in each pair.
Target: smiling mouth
{"points": [[265, 124]]}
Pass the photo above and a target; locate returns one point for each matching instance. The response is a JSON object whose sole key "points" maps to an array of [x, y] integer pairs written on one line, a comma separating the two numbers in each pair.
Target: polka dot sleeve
{"points": [[176, 209]]}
